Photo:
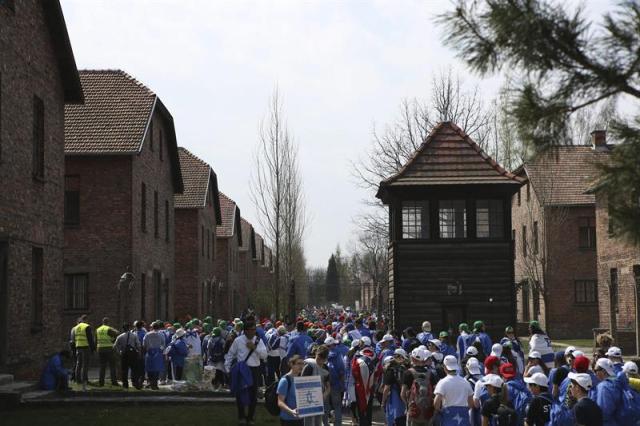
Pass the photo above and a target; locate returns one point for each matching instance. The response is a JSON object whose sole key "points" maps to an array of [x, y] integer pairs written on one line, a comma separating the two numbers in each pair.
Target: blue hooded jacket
{"points": [[178, 352], [299, 345], [336, 371], [52, 372], [609, 399]]}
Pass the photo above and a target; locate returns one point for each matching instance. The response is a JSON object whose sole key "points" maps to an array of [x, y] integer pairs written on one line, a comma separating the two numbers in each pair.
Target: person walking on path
{"points": [[245, 354], [128, 346], [84, 345], [153, 346], [287, 395], [454, 397], [105, 336], [177, 352]]}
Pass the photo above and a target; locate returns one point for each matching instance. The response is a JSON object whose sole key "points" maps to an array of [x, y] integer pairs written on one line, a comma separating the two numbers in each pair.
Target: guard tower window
{"points": [[415, 219], [453, 219]]}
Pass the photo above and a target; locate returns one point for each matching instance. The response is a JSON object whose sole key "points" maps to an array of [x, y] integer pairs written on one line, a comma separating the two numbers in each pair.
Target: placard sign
{"points": [[309, 396]]}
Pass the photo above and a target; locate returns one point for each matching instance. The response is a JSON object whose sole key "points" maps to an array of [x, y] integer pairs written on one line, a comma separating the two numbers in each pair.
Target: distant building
{"points": [[38, 76], [122, 172], [228, 242], [618, 265], [197, 214], [554, 230], [450, 252], [247, 271]]}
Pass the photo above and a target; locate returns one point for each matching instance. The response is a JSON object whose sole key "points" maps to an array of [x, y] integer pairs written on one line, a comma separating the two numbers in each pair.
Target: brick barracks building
{"points": [[554, 234], [197, 214], [227, 259], [122, 173], [38, 76]]}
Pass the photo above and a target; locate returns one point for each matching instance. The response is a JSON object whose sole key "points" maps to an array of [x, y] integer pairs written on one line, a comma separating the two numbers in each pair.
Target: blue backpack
{"points": [[629, 414], [520, 398]]}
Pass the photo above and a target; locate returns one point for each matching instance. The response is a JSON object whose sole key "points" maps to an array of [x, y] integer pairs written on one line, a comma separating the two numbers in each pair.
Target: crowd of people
{"points": [[417, 377]]}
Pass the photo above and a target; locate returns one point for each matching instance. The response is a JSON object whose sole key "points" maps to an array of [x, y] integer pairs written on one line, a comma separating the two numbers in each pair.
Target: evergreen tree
{"points": [[563, 64], [333, 281]]}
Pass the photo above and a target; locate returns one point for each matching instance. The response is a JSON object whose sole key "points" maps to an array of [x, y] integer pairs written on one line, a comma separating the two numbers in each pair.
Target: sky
{"points": [[341, 68]]}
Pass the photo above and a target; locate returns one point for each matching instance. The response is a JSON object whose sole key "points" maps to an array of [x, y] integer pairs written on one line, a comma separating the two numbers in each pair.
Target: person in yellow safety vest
{"points": [[105, 335], [84, 344]]}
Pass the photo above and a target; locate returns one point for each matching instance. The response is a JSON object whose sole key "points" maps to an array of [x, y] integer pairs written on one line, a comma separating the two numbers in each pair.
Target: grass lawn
{"points": [[154, 415]]}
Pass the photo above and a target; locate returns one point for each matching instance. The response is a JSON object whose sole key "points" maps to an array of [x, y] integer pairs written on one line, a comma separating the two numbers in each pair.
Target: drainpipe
{"points": [[636, 275]]}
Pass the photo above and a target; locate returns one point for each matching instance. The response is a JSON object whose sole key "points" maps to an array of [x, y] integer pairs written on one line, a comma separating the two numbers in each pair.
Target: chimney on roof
{"points": [[599, 140]]}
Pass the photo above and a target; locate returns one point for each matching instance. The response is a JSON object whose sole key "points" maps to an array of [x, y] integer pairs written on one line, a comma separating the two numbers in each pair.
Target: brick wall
{"points": [[614, 253], [150, 252], [227, 303], [30, 211], [195, 268], [100, 246], [565, 262]]}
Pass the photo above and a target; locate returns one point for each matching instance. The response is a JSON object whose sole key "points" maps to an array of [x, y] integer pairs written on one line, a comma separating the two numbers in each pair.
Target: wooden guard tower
{"points": [[450, 251]]}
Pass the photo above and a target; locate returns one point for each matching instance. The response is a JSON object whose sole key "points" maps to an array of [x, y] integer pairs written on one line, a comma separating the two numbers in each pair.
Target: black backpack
{"points": [[271, 396], [506, 416]]}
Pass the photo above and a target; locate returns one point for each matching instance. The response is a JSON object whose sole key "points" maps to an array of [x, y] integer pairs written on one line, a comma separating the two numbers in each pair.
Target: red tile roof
{"points": [[196, 175], [230, 219], [563, 175], [114, 116], [450, 157], [248, 237]]}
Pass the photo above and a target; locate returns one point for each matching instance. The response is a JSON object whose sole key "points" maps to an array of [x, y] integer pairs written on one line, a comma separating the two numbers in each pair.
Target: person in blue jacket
{"points": [[425, 335], [608, 392], [364, 331], [461, 343], [519, 394], [614, 354], [178, 351], [54, 376], [300, 343], [445, 347], [335, 364], [480, 334]]}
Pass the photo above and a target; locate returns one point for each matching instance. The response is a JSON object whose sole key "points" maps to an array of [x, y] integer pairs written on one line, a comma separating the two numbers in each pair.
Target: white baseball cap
{"points": [[426, 326], [473, 366], [614, 351], [366, 341], [181, 332], [583, 379], [606, 365], [496, 350], [472, 350], [330, 341], [630, 367], [387, 359], [451, 363], [577, 353], [538, 379], [534, 355], [437, 343], [420, 354], [492, 380], [437, 356], [387, 338], [535, 369], [355, 343], [569, 350], [400, 352]]}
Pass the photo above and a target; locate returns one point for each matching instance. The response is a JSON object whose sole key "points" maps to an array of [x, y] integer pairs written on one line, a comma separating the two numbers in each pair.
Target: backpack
{"points": [[506, 416], [420, 401], [271, 396], [273, 342], [215, 349], [630, 412]]}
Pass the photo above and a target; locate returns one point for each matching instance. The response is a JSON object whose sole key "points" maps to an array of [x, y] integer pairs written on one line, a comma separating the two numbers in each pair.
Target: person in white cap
{"points": [[496, 409], [630, 368], [474, 372], [426, 335], [392, 402], [539, 409], [586, 412], [614, 354], [453, 396], [417, 389], [496, 350], [534, 359], [608, 391]]}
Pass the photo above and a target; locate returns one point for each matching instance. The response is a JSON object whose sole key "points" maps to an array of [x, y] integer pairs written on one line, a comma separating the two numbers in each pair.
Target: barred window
{"points": [[76, 291], [489, 219], [453, 219], [415, 219], [587, 232], [586, 291]]}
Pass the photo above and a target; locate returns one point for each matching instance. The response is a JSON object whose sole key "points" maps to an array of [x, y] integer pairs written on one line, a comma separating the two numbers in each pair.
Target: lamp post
{"points": [[125, 285]]}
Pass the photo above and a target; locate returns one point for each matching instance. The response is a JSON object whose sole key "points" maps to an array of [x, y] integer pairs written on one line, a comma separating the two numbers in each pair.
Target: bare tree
{"points": [[276, 191]]}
